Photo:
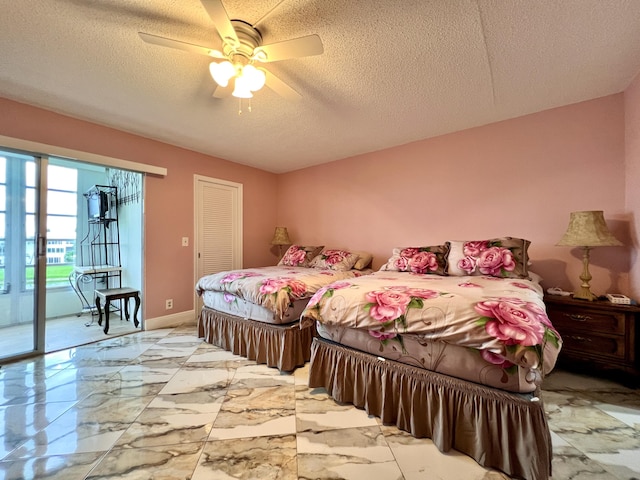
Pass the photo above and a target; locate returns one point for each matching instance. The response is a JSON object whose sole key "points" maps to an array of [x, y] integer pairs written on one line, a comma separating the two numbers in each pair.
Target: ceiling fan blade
{"points": [[296, 47], [281, 88], [222, 92], [264, 17], [220, 18], [188, 47]]}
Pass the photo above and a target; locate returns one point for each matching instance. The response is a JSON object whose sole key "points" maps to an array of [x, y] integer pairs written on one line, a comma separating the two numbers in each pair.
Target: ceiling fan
{"points": [[237, 69]]}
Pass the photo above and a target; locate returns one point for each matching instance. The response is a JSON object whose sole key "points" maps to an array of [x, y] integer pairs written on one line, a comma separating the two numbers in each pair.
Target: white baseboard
{"points": [[175, 319]]}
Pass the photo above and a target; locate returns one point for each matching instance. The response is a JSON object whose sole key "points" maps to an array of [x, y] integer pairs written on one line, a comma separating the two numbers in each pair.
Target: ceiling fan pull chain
{"points": [[240, 106]]}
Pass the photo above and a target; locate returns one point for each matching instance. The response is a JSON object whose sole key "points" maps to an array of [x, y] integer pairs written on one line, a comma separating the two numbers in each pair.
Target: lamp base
{"points": [[584, 294]]}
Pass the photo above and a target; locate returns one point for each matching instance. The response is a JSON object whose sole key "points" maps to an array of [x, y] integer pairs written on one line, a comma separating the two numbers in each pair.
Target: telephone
{"points": [[618, 298]]}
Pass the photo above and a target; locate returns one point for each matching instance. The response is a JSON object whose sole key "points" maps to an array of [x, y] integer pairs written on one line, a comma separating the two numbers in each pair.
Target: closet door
{"points": [[218, 225]]}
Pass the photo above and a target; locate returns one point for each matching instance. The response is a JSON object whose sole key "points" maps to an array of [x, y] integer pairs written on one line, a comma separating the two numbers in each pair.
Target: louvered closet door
{"points": [[218, 226]]}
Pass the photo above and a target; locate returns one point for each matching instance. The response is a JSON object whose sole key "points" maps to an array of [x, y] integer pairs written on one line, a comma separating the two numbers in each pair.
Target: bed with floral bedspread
{"points": [[255, 312], [484, 329], [447, 342], [275, 289]]}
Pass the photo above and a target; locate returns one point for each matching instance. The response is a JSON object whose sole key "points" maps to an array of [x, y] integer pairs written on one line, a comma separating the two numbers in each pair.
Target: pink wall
{"points": [[632, 157], [520, 177], [169, 268]]}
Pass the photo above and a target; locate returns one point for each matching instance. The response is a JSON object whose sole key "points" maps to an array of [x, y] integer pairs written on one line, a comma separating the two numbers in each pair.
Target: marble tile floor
{"points": [[163, 404]]}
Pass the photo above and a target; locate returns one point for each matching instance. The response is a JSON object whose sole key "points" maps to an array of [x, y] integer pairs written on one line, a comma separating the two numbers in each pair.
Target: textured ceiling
{"points": [[392, 71]]}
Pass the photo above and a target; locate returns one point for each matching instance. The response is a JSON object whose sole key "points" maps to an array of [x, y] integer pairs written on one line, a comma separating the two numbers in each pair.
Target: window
{"points": [[62, 205], [62, 220]]}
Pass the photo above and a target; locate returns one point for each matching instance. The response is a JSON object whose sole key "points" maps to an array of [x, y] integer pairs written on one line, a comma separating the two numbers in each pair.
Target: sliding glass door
{"points": [[44, 230], [22, 258]]}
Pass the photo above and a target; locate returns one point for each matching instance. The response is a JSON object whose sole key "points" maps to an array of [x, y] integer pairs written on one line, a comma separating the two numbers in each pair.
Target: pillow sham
{"points": [[504, 257], [335, 259], [364, 260], [299, 255], [431, 259]]}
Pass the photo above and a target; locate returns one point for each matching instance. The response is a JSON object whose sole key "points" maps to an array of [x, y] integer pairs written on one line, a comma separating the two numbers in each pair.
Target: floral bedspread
{"points": [[273, 287], [504, 319]]}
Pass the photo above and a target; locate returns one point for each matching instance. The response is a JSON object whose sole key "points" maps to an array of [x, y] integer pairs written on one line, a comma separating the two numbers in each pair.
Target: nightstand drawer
{"points": [[578, 345], [570, 319]]}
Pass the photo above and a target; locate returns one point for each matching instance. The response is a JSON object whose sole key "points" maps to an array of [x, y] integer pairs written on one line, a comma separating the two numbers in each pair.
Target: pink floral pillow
{"points": [[299, 256], [430, 259], [335, 259], [504, 257]]}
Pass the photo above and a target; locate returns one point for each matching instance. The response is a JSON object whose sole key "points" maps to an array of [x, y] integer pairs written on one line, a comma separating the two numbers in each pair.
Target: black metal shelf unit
{"points": [[98, 262]]}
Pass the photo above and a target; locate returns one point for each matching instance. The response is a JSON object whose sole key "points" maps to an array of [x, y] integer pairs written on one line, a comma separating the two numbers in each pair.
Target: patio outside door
{"points": [[21, 332]]}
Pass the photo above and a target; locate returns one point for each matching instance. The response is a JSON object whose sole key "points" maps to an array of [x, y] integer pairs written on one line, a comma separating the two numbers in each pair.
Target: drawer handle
{"points": [[579, 339], [577, 317]]}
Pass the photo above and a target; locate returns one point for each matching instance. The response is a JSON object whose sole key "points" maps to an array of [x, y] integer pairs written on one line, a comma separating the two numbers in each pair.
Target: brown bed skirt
{"points": [[502, 430], [285, 347]]}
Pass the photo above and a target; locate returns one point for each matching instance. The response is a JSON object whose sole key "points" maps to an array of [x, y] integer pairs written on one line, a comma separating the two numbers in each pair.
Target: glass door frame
{"points": [[38, 295], [40, 268]]}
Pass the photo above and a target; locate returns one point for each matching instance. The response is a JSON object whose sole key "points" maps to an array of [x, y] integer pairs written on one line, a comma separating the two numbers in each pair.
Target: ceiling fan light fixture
{"points": [[255, 77], [222, 72], [242, 88], [242, 46], [259, 55]]}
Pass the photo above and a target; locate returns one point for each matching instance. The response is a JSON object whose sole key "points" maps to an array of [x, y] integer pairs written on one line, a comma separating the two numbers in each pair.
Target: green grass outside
{"points": [[56, 275]]}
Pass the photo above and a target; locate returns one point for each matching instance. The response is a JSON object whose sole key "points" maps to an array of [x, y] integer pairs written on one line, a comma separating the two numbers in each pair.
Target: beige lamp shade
{"points": [[588, 229], [281, 237]]}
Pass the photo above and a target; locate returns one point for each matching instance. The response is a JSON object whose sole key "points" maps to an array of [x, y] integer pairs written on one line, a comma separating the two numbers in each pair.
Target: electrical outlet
{"points": [[185, 241], [169, 303]]}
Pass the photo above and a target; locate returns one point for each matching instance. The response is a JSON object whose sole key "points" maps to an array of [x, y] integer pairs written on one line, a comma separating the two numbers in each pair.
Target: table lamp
{"points": [[587, 229], [281, 238]]}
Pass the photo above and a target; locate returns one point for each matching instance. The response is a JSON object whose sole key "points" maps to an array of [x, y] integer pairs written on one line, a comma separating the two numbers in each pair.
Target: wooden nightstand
{"points": [[596, 335]]}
